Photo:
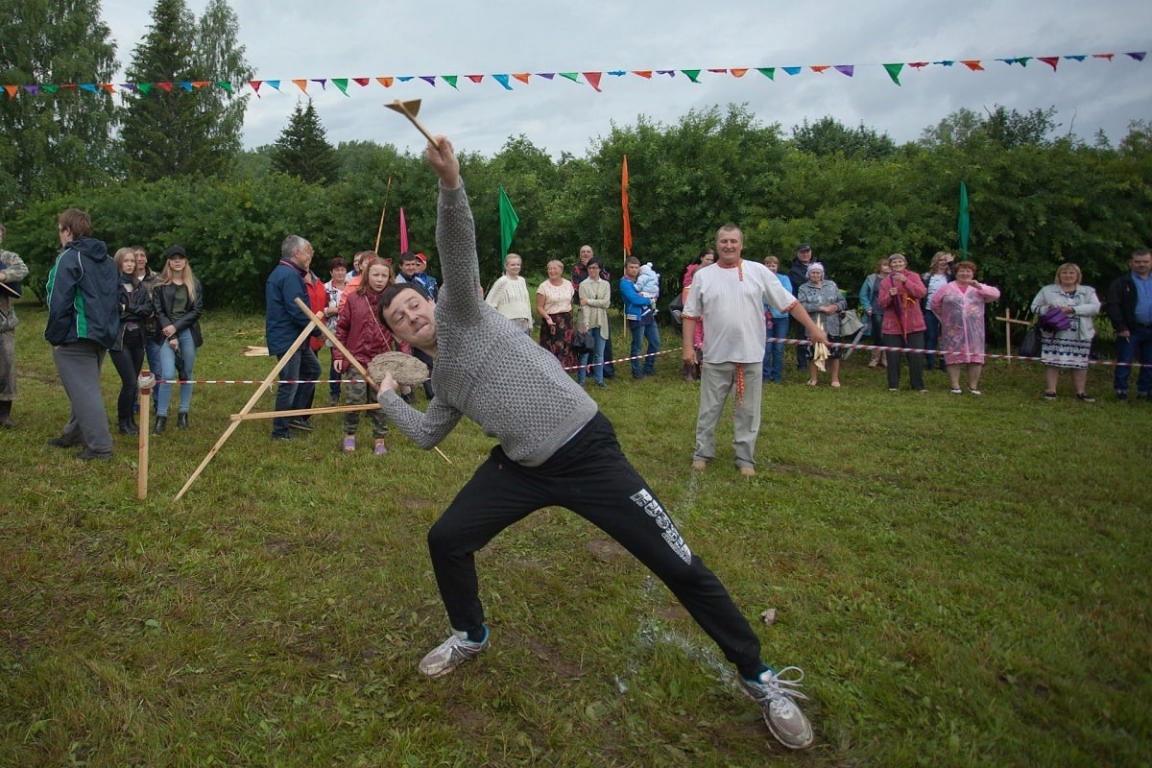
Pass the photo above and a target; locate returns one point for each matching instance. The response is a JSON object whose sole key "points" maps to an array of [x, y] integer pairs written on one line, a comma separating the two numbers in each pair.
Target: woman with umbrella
{"points": [[900, 295]]}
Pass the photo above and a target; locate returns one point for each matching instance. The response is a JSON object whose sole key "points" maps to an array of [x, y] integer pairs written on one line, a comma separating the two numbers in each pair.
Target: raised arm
{"points": [[455, 237]]}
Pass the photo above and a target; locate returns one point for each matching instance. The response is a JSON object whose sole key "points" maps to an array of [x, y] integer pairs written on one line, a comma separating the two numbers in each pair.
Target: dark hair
{"points": [[408, 256], [390, 294], [76, 222], [594, 261], [631, 260], [337, 263], [966, 265]]}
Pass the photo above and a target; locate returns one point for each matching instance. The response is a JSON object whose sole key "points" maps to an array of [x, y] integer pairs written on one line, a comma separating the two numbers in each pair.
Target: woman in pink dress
{"points": [[959, 306]]}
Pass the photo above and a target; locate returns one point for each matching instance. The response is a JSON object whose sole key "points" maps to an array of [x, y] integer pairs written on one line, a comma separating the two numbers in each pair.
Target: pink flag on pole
{"points": [[403, 233]]}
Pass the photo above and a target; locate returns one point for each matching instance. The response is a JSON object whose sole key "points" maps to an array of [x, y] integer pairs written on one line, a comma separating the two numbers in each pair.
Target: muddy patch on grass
{"points": [[607, 551]]}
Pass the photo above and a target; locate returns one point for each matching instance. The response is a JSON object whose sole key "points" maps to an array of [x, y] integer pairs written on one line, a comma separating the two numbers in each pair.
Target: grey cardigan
{"points": [[1084, 301]]}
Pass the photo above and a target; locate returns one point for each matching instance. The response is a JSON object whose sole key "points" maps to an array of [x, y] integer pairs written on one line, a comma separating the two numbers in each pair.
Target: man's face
{"points": [[805, 255], [303, 257], [729, 246], [412, 318], [141, 262], [631, 271], [409, 267], [585, 254], [1142, 265]]}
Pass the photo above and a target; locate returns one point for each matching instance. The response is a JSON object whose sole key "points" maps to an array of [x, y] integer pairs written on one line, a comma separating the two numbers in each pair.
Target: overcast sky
{"points": [[363, 38]]}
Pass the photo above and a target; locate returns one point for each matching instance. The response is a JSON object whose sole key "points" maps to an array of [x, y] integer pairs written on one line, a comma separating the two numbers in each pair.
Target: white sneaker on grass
{"points": [[775, 696], [451, 653]]}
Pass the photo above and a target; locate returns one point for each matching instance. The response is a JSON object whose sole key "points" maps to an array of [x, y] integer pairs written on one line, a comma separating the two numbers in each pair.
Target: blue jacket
{"points": [[283, 320], [83, 295], [637, 308]]}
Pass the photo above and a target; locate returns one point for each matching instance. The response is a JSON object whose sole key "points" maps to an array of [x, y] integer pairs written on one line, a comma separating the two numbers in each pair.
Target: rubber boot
{"points": [[128, 428], [181, 421], [161, 425]]}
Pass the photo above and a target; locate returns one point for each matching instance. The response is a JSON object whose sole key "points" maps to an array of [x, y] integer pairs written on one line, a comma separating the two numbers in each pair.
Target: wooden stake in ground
{"points": [[1008, 320], [410, 109], [145, 382], [264, 386]]}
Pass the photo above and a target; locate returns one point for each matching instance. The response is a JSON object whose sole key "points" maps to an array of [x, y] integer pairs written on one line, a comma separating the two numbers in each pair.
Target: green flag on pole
{"points": [[962, 221], [508, 223]]}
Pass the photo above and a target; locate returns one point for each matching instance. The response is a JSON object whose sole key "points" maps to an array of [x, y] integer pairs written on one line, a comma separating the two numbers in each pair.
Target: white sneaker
{"points": [[451, 653], [775, 697]]}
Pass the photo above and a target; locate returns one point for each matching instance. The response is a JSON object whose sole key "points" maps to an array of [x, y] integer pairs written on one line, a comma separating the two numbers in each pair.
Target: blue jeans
{"points": [[639, 334], [597, 360], [931, 334], [1136, 348], [774, 350], [291, 397], [333, 377], [168, 372]]}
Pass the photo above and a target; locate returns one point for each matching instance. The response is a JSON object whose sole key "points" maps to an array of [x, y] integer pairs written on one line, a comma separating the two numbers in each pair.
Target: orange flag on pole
{"points": [[624, 205]]}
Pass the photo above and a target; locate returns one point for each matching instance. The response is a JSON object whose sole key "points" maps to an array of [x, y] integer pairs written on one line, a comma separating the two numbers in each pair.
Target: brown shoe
{"points": [[747, 472], [699, 465]]}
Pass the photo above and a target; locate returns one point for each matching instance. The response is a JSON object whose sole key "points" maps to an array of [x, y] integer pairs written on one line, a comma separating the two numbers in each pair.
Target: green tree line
{"points": [[1034, 201]]}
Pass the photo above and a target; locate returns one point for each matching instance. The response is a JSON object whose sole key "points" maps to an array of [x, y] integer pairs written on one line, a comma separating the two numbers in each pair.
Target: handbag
{"points": [[1030, 346], [677, 308], [1055, 320], [850, 323], [582, 342]]}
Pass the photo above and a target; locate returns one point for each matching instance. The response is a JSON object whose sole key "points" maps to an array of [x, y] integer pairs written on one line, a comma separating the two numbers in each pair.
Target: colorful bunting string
{"points": [[592, 78]]}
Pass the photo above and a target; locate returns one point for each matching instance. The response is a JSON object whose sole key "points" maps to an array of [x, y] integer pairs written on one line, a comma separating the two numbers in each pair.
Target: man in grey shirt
{"points": [[555, 449]]}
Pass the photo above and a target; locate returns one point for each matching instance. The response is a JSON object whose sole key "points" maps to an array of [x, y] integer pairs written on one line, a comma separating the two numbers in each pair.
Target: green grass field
{"points": [[965, 582]]}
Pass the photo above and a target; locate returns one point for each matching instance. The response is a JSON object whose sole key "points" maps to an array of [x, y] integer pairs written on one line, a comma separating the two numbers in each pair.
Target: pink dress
{"points": [[960, 310]]}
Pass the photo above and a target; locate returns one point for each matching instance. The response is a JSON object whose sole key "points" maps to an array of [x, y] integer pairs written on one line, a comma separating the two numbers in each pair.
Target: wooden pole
{"points": [[264, 386], [145, 383], [304, 412], [380, 229], [1008, 320]]}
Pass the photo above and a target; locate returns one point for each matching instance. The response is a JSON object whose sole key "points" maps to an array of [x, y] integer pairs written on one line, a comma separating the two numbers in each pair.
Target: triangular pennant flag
{"points": [[302, 84], [739, 72], [450, 79], [1103, 56], [225, 85], [819, 68], [273, 84], [944, 63], [618, 73], [893, 71], [669, 72], [1138, 55], [322, 81], [503, 80], [385, 81], [108, 87], [768, 72], [32, 89], [546, 75], [430, 79], [793, 71], [12, 90], [693, 74], [1023, 60], [918, 64], [255, 84], [405, 78], [1079, 57], [846, 69], [974, 65], [201, 83], [644, 73], [341, 84], [144, 87], [1051, 61], [573, 76], [51, 89], [185, 84], [718, 71], [361, 81], [475, 78], [70, 87], [593, 79], [90, 87], [523, 77]]}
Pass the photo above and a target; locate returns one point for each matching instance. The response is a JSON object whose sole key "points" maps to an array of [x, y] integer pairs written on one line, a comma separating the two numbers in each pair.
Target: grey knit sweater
{"points": [[486, 368]]}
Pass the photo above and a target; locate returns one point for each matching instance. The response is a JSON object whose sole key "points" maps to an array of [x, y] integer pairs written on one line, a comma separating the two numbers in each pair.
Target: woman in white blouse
{"points": [[509, 295]]}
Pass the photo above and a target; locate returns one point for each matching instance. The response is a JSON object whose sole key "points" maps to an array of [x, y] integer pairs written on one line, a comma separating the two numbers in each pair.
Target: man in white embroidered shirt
{"points": [[729, 297]]}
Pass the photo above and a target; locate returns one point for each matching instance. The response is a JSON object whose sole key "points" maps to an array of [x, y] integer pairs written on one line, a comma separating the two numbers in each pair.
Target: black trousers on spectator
{"points": [[915, 359], [590, 476], [129, 359]]}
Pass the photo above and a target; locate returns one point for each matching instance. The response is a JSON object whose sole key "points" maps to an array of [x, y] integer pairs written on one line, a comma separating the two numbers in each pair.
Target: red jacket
{"points": [[317, 301], [358, 328], [902, 313]]}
